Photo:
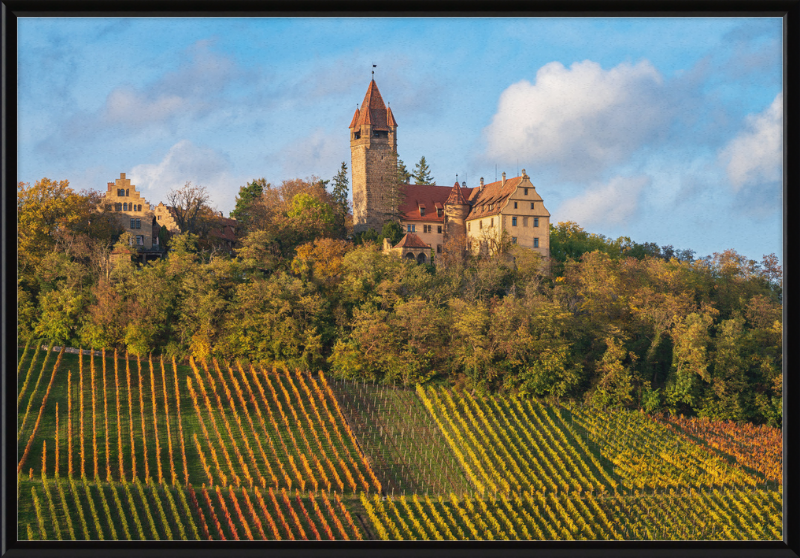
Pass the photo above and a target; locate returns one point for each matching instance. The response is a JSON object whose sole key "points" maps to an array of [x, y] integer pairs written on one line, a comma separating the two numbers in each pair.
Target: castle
{"points": [[435, 217]]}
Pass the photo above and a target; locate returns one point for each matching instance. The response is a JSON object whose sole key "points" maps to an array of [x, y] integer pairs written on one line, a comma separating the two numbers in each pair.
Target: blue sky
{"points": [[667, 130]]}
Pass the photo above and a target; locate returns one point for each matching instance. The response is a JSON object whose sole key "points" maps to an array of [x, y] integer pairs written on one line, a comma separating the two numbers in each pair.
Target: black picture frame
{"points": [[789, 10]]}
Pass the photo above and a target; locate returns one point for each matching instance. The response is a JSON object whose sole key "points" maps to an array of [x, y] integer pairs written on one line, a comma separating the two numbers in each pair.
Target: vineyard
{"points": [[115, 447]]}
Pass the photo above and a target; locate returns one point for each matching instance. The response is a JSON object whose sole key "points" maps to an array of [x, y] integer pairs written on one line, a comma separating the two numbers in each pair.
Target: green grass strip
{"points": [[33, 395], [53, 516], [79, 507], [121, 510], [147, 509], [132, 505], [39, 517], [161, 514], [24, 352], [95, 517], [107, 511], [34, 358], [174, 509], [65, 508], [192, 525]]}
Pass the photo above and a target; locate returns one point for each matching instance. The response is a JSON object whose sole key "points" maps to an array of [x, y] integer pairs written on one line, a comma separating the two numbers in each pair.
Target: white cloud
{"points": [[614, 203], [184, 162], [755, 156], [582, 119]]}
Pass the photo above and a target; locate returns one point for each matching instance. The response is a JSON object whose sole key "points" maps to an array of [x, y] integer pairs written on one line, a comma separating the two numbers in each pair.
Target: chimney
{"points": [[464, 184], [110, 185], [481, 187], [122, 175], [504, 179]]}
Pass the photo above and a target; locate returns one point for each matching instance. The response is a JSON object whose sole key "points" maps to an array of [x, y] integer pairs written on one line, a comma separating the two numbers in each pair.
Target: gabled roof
{"points": [[456, 195], [494, 194], [430, 196], [373, 111], [410, 240]]}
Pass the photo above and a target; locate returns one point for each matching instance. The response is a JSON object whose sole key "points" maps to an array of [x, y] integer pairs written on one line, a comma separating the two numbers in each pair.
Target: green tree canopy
{"points": [[422, 173]]}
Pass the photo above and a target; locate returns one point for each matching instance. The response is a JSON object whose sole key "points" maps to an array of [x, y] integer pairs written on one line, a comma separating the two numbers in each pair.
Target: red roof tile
{"points": [[373, 111], [390, 117], [494, 194], [429, 196], [456, 196], [410, 240], [354, 120]]}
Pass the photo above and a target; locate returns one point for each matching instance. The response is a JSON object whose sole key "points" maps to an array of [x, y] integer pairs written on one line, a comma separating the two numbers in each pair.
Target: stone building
{"points": [[411, 247], [437, 216], [132, 212], [373, 149]]}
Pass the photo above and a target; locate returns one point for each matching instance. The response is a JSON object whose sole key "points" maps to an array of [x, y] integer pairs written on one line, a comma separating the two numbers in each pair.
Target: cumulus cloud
{"points": [[615, 202], [184, 162], [755, 156], [581, 119]]}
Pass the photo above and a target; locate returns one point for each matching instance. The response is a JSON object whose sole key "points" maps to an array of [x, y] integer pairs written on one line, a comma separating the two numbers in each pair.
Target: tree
{"points": [[403, 176], [422, 173], [189, 204], [248, 195], [341, 197]]}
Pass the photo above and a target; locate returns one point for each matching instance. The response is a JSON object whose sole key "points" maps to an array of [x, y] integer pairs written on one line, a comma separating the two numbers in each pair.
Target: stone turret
{"points": [[373, 150], [456, 210]]}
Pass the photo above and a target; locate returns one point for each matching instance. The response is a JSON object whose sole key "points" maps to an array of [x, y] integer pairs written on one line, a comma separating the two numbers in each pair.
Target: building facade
{"points": [[132, 212], [476, 219]]}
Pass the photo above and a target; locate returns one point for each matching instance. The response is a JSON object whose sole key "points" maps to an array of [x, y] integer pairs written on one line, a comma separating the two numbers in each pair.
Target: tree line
{"points": [[609, 321]]}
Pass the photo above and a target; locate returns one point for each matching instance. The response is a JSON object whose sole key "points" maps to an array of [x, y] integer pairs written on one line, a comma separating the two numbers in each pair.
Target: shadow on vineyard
{"points": [[406, 448], [111, 447]]}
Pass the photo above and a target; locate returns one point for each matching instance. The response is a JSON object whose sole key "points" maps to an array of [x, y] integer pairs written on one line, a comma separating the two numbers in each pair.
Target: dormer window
{"points": [[422, 211], [438, 211]]}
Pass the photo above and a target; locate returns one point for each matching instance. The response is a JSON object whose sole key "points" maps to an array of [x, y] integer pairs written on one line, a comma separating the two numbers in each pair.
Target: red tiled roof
{"points": [[410, 240], [456, 196], [373, 111], [354, 120], [225, 229], [428, 196], [494, 194]]}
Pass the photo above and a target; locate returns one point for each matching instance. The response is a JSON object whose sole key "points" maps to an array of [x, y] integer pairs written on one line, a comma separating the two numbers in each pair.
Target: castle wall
{"points": [[374, 168], [121, 193]]}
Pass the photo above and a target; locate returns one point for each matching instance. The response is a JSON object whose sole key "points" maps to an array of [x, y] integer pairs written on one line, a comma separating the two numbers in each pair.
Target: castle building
{"points": [[132, 212], [476, 219]]}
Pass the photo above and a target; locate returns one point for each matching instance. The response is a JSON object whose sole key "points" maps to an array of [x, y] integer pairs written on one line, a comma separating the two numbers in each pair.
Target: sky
{"points": [[665, 130]]}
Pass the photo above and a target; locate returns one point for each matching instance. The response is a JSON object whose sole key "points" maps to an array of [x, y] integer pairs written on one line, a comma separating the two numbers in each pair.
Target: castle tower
{"points": [[373, 150], [456, 210]]}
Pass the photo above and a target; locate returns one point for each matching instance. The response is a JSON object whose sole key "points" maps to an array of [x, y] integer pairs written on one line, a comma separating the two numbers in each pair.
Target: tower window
{"points": [[356, 135], [513, 221], [535, 242], [535, 221]]}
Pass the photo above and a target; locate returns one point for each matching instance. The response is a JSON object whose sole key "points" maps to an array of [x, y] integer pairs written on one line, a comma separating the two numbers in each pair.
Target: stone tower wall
{"points": [[374, 168], [455, 218]]}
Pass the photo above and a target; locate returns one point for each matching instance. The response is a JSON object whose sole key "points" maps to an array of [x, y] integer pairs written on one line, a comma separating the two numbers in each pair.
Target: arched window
{"points": [[125, 206], [410, 256], [127, 192], [421, 258]]}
